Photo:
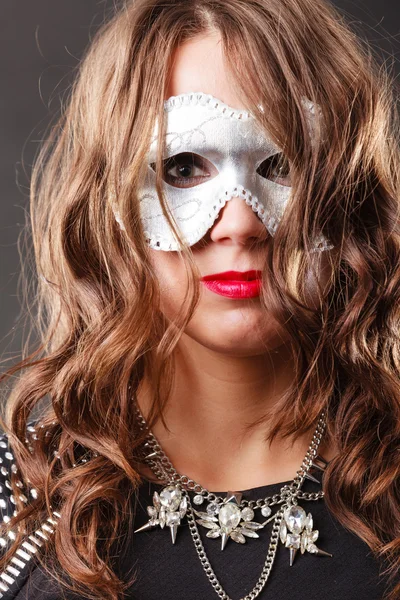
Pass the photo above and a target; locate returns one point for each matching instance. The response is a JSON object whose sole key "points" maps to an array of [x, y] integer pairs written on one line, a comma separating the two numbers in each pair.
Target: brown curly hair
{"points": [[97, 309]]}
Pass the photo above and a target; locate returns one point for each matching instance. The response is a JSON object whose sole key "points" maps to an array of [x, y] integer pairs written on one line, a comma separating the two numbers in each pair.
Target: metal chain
{"points": [[310, 454], [269, 561], [289, 494], [163, 469]]}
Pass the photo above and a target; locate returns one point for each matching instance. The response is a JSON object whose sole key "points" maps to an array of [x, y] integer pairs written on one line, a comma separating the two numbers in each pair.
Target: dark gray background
{"points": [[40, 45]]}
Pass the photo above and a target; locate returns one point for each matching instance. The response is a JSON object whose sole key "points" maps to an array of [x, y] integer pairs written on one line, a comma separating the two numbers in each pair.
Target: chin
{"points": [[236, 337]]}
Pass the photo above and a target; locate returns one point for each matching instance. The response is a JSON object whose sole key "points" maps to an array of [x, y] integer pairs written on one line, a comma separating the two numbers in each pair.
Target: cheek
{"points": [[170, 273]]}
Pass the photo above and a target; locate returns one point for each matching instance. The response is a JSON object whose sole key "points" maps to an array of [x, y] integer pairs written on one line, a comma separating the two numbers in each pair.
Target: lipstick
{"points": [[234, 284]]}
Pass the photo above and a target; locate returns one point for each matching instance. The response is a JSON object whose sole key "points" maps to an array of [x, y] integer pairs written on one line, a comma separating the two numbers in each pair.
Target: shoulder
{"points": [[14, 574]]}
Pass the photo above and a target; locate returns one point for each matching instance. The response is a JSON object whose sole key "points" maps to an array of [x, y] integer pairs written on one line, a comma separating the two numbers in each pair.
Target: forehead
{"points": [[199, 65]]}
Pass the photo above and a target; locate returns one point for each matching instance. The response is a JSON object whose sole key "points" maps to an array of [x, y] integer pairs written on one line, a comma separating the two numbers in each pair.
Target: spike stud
{"points": [[320, 552], [173, 529], [293, 552], [311, 477], [224, 539], [319, 463], [145, 527]]}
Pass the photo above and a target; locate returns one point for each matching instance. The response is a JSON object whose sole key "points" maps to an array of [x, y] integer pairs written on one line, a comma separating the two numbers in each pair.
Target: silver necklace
{"points": [[232, 516]]}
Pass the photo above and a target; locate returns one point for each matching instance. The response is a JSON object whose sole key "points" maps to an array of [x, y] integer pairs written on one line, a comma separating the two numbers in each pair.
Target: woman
{"points": [[214, 408]]}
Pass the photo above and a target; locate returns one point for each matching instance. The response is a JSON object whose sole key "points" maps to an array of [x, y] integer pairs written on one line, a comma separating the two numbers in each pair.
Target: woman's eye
{"points": [[276, 168], [186, 170]]}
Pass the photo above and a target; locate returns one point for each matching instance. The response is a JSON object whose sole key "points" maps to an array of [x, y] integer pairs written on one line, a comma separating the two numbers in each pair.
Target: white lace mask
{"points": [[233, 142]]}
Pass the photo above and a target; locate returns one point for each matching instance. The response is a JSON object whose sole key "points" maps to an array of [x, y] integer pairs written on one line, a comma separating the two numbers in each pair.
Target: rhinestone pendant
{"points": [[228, 520], [296, 532], [198, 499], [169, 507]]}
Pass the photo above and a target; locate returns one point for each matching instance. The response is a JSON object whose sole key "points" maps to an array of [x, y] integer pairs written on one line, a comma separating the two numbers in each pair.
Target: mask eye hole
{"points": [[276, 168], [186, 170]]}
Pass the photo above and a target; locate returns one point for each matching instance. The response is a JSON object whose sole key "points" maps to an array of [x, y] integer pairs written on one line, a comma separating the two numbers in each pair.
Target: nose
{"points": [[237, 223]]}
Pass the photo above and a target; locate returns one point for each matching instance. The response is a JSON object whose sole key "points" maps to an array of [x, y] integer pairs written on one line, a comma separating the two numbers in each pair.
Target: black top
{"points": [[174, 572]]}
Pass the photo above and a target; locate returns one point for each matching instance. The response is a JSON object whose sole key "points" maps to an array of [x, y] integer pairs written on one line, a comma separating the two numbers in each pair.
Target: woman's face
{"points": [[236, 241]]}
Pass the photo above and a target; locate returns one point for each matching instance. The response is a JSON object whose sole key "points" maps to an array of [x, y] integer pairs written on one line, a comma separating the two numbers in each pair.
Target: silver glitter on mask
{"points": [[230, 139]]}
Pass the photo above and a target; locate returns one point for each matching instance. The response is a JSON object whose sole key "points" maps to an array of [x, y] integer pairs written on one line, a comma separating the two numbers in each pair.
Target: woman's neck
{"points": [[214, 397]]}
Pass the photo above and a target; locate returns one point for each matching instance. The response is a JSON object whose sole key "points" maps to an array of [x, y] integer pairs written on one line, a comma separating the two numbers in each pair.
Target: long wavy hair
{"points": [[97, 309]]}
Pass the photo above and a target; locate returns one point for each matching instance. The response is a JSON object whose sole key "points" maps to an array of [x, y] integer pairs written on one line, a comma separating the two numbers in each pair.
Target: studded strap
{"points": [[14, 575]]}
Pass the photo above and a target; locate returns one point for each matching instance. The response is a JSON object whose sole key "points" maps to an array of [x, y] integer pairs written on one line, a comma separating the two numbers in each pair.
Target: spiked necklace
{"points": [[232, 516]]}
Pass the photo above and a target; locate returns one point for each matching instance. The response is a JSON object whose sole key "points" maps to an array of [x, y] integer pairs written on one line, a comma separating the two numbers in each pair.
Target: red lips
{"points": [[233, 276], [234, 284]]}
